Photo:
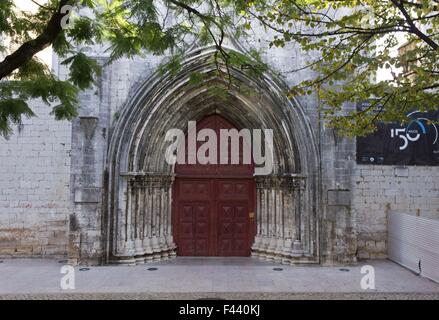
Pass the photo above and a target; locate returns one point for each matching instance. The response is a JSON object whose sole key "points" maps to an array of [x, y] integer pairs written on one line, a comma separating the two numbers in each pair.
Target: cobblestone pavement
{"points": [[224, 296], [205, 278]]}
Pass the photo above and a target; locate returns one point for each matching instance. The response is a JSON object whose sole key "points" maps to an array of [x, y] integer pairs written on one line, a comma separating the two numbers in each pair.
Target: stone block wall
{"points": [[379, 190], [34, 187], [338, 238]]}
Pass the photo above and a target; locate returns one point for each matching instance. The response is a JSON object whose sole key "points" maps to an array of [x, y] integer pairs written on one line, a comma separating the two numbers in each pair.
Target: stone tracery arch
{"points": [[138, 211]]}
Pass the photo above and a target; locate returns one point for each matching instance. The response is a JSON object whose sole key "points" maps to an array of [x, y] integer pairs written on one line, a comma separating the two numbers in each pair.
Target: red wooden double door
{"points": [[213, 207]]}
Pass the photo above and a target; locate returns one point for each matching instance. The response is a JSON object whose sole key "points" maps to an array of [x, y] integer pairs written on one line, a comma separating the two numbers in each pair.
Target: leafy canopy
{"points": [[125, 28], [351, 42]]}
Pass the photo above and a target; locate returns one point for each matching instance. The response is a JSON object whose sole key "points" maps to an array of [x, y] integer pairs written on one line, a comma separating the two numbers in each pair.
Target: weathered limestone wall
{"points": [[90, 132], [100, 108], [34, 187], [382, 189], [52, 175], [338, 220]]}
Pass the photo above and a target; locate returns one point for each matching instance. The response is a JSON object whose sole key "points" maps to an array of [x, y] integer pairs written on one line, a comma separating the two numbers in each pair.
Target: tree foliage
{"points": [[126, 28], [350, 40], [353, 41]]}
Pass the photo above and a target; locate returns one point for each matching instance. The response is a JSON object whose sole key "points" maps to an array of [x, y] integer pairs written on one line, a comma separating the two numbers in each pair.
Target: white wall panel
{"points": [[414, 243]]}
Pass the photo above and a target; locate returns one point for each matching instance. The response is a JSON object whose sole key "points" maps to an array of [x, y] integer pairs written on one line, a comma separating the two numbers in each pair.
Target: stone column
{"points": [[279, 221], [147, 230], [297, 186]]}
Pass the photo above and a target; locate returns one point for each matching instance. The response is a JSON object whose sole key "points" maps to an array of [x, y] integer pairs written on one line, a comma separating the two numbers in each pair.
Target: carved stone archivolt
{"points": [[138, 213]]}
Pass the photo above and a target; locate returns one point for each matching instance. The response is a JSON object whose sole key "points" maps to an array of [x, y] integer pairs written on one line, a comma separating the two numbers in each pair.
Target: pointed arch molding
{"points": [[139, 183]]}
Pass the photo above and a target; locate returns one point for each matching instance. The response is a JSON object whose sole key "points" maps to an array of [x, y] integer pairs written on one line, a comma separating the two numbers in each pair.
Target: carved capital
{"points": [[265, 182], [292, 182], [151, 180], [280, 182]]}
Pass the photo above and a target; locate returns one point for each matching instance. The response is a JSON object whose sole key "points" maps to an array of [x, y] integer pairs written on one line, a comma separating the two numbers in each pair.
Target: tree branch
{"points": [[40, 5], [28, 49], [345, 63], [413, 28]]}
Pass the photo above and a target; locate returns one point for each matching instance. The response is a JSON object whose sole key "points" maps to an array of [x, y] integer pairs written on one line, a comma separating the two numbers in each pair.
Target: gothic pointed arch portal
{"points": [[139, 212]]}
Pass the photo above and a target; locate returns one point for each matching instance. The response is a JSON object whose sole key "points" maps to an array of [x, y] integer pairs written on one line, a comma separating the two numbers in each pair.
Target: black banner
{"points": [[213, 310], [413, 143]]}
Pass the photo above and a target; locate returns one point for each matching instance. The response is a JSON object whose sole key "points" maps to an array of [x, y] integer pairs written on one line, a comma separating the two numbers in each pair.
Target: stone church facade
{"points": [[98, 190]]}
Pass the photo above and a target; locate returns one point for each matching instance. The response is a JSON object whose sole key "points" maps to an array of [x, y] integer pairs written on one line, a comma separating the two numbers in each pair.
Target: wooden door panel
{"points": [[233, 223], [186, 247], [193, 228], [234, 189], [201, 247], [214, 223], [241, 213], [212, 202], [196, 189], [216, 123]]}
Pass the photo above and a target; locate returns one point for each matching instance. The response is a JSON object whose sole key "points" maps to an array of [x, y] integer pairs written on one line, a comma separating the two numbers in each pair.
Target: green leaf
{"points": [[82, 70], [11, 113]]}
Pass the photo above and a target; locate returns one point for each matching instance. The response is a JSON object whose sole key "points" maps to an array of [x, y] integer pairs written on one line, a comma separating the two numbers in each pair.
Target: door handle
{"points": [[251, 215]]}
